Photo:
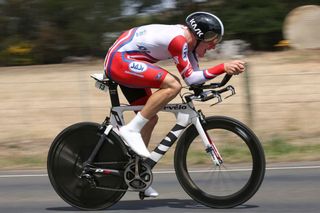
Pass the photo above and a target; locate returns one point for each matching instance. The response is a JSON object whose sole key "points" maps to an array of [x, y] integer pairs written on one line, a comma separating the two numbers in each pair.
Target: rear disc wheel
{"points": [[70, 149]]}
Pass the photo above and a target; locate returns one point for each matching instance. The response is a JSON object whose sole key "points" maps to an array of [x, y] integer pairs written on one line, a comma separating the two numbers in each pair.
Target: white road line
{"points": [[26, 175], [172, 171], [293, 167]]}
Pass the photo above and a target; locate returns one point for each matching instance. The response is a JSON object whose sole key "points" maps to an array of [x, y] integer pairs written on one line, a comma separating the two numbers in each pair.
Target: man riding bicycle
{"points": [[130, 63]]}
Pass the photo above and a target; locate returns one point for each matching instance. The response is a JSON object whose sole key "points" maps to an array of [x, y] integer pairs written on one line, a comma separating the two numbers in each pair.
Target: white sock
{"points": [[137, 123]]}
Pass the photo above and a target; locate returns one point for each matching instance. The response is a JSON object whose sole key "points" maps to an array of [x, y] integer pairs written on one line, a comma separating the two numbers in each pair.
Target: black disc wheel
{"points": [[234, 181], [70, 149]]}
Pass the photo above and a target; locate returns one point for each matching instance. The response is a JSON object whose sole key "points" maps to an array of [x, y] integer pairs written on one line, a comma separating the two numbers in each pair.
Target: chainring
{"points": [[138, 179]]}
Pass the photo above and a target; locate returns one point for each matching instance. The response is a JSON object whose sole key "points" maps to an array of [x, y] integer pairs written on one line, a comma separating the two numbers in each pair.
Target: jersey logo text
{"points": [[185, 52], [138, 67], [143, 49]]}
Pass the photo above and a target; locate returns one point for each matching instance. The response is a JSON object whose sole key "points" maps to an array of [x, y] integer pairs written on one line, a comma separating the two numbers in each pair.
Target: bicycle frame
{"points": [[185, 115]]}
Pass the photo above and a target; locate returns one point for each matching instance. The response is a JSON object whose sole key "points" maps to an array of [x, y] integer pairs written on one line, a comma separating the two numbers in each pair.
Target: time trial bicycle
{"points": [[218, 160]]}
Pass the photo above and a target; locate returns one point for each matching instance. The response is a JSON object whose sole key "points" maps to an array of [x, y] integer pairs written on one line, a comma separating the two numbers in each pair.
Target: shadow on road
{"points": [[150, 204]]}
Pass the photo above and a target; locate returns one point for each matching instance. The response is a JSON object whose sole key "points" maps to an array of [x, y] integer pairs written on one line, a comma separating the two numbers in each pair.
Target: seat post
{"points": [[114, 96]]}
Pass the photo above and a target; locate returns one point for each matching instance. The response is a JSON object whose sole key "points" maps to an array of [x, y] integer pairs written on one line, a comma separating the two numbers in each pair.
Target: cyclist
{"points": [[130, 62]]}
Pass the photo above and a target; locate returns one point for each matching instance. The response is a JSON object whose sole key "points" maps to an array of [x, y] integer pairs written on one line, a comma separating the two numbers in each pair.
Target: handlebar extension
{"points": [[201, 95], [223, 82]]}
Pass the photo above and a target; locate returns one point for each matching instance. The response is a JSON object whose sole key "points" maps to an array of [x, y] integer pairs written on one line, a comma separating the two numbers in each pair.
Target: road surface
{"points": [[286, 188]]}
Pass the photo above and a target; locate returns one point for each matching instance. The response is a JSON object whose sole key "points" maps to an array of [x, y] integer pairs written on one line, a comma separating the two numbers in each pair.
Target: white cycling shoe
{"points": [[151, 192], [134, 141]]}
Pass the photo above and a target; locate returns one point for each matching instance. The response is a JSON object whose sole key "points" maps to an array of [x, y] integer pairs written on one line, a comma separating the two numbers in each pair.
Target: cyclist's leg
{"points": [[147, 130], [137, 96], [137, 74], [169, 89], [141, 74]]}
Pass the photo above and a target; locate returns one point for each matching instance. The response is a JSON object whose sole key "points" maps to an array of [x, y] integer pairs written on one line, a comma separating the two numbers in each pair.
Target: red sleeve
{"points": [[178, 49], [214, 71]]}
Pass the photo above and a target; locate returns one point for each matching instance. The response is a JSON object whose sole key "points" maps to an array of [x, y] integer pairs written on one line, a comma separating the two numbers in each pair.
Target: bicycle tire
{"points": [[250, 177], [69, 150]]}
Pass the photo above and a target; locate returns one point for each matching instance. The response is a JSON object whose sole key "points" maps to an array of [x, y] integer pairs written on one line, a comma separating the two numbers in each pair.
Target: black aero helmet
{"points": [[205, 26]]}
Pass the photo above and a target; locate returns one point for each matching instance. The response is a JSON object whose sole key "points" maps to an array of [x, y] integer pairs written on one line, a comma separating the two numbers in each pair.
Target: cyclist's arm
{"points": [[189, 69]]}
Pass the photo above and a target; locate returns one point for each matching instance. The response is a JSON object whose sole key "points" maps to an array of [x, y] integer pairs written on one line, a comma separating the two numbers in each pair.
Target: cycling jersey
{"points": [[130, 60]]}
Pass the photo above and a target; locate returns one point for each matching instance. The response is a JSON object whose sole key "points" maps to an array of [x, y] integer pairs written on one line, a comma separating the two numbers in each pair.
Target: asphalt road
{"points": [[286, 188]]}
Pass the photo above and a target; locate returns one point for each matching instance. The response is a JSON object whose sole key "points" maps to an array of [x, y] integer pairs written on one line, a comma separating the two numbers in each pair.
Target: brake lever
{"points": [[218, 96], [233, 91]]}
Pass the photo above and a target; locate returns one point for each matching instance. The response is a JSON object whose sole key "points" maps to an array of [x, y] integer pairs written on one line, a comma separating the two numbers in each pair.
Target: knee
{"points": [[177, 87], [173, 83]]}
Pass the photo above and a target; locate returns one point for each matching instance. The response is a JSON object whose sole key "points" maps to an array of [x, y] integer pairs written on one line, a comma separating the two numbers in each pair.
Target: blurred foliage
{"points": [[18, 52], [54, 29]]}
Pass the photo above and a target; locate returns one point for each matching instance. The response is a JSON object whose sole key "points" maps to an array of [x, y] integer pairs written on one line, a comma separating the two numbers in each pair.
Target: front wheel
{"points": [[66, 157], [230, 184]]}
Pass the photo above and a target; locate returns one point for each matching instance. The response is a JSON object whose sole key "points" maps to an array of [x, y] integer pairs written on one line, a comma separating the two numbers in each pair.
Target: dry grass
{"points": [[39, 101]]}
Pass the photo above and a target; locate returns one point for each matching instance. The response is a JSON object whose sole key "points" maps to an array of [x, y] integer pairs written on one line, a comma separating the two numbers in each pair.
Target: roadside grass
{"points": [[23, 162], [279, 149], [276, 150]]}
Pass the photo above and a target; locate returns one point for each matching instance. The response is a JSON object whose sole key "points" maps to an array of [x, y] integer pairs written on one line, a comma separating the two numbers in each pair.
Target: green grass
{"points": [[229, 154], [279, 149], [25, 162], [276, 150], [278, 146]]}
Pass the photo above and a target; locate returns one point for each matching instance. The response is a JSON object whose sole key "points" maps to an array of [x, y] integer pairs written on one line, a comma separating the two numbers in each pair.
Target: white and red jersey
{"points": [[153, 43]]}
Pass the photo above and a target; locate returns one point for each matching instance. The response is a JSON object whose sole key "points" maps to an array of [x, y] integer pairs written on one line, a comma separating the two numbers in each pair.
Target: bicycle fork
{"points": [[207, 142]]}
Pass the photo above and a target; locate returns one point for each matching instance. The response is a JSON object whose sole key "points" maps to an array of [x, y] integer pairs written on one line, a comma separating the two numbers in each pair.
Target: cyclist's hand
{"points": [[234, 67]]}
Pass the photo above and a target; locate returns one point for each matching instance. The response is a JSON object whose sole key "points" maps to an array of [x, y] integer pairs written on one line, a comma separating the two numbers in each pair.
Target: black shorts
{"points": [[136, 96]]}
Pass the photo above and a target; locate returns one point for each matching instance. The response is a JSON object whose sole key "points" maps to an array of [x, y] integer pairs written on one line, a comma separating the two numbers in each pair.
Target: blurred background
{"points": [[49, 48]]}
